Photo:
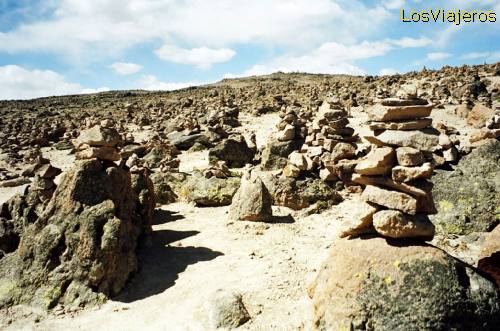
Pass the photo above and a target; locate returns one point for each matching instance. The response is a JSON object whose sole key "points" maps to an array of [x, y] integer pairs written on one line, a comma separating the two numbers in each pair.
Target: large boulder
{"points": [[82, 248], [235, 153], [299, 194], [468, 198], [480, 115], [252, 201], [378, 284], [210, 192]]}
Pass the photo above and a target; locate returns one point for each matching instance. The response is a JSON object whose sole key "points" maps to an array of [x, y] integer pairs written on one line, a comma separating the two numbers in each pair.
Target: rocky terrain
{"points": [[286, 202]]}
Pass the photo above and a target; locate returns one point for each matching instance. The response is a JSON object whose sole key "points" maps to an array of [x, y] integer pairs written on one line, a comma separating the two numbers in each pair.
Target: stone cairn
{"points": [[397, 196], [328, 141], [98, 142]]}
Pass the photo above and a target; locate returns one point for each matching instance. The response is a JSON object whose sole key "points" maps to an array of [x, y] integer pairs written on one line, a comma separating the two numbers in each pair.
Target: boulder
{"points": [[395, 224], [82, 248], [382, 113], [424, 140], [99, 136], [378, 162], [252, 201], [389, 284], [467, 198], [210, 192], [480, 115], [235, 153], [489, 258], [409, 157], [390, 199], [407, 174]]}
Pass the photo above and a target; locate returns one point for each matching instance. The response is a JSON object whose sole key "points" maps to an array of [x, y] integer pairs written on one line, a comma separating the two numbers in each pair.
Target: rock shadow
{"points": [[160, 265], [162, 216], [288, 219]]}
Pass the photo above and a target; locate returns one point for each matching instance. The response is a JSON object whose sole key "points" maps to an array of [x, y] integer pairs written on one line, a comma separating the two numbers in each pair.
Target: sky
{"points": [[59, 47]]}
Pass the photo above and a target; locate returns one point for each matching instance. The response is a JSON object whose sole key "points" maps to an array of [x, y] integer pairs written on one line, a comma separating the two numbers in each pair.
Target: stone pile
{"points": [[328, 141], [98, 142], [397, 194]]}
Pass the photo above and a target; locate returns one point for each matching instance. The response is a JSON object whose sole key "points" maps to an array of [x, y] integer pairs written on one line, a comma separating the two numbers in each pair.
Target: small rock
{"points": [[390, 199], [408, 156], [395, 224], [378, 162], [406, 174], [227, 310]]}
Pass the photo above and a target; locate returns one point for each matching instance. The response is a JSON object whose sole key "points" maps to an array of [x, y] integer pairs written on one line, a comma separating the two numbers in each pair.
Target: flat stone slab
{"points": [[402, 125], [419, 139], [388, 114]]}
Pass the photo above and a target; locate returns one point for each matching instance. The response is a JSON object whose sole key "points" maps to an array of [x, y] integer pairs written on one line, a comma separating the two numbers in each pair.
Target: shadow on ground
{"points": [[164, 216], [161, 264]]}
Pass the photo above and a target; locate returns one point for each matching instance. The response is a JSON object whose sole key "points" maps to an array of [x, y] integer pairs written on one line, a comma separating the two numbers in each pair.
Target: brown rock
{"points": [[489, 258], [102, 153], [378, 162], [388, 114], [408, 156], [421, 190], [288, 133], [402, 125], [356, 217], [342, 151], [98, 136], [406, 174], [479, 115], [291, 171], [390, 199], [395, 224], [419, 139]]}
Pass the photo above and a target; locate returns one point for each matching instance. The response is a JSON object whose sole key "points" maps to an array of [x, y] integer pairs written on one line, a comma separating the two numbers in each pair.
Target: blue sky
{"points": [[57, 47]]}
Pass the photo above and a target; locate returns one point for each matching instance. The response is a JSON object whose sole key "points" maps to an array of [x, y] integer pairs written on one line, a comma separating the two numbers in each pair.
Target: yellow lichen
{"points": [[445, 205]]}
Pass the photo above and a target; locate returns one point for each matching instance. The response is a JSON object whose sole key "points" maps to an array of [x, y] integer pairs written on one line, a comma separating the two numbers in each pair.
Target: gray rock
{"points": [[210, 192], [275, 153], [393, 285], [468, 198], [235, 153], [252, 201], [227, 310], [82, 248]]}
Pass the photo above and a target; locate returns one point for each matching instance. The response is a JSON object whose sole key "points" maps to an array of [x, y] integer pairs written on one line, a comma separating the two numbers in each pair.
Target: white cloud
{"points": [[332, 58], [412, 42], [152, 83], [202, 57], [438, 56], [19, 83], [124, 68], [387, 72], [394, 4], [77, 28], [487, 56]]}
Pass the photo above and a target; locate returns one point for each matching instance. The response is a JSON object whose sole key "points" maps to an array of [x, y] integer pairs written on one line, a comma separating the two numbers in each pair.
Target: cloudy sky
{"points": [[56, 47]]}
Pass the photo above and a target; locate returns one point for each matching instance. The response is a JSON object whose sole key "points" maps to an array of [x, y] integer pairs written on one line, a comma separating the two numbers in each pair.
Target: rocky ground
{"points": [[287, 202]]}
